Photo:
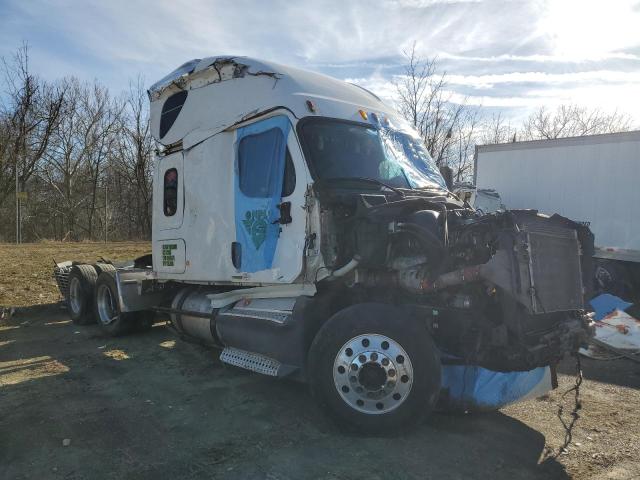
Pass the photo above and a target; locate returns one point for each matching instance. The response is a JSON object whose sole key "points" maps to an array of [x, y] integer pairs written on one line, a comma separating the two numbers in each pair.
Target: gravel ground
{"points": [[76, 404], [154, 406]]}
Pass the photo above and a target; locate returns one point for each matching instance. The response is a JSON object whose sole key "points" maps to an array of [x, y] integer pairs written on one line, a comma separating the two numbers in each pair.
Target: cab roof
{"points": [[205, 96]]}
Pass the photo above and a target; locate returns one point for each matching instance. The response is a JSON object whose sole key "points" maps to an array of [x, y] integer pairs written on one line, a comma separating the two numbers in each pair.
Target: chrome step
{"points": [[250, 361]]}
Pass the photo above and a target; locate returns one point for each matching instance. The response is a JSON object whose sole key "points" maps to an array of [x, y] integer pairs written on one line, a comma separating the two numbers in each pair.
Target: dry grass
{"points": [[27, 269]]}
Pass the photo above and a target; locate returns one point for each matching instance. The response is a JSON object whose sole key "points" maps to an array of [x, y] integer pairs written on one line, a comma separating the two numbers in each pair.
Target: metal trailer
{"points": [[300, 225], [593, 179]]}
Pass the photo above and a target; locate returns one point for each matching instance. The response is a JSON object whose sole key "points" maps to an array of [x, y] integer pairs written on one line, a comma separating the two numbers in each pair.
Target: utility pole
{"points": [[106, 214], [18, 232]]}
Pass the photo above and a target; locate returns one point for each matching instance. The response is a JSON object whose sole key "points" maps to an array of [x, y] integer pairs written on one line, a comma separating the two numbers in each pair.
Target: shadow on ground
{"points": [[153, 406], [622, 372]]}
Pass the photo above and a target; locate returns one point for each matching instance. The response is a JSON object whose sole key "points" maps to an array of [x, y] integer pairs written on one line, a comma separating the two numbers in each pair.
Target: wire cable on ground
{"points": [[568, 426]]}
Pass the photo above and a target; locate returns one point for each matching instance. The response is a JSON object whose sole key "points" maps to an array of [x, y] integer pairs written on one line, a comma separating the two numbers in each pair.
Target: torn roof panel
{"points": [[178, 75], [224, 90]]}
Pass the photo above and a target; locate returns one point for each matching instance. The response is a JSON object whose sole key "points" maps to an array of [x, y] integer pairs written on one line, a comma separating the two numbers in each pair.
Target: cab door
{"points": [[168, 247], [269, 202]]}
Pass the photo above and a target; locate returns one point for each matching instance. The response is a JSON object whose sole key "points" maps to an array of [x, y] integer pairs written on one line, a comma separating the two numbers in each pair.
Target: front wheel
{"points": [[375, 368]]}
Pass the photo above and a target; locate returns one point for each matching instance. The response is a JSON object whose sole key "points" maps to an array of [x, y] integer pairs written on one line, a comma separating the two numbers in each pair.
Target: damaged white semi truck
{"points": [[300, 225]]}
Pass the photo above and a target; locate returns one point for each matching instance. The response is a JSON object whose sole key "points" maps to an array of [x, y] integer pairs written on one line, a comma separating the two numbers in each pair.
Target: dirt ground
{"points": [[76, 404], [26, 269]]}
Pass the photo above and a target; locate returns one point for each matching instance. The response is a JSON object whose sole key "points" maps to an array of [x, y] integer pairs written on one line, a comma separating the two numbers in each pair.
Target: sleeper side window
{"points": [[170, 192], [258, 163], [170, 111]]}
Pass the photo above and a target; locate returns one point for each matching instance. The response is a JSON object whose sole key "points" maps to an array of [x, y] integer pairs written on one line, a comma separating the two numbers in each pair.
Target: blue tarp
{"points": [[476, 388], [261, 149], [606, 303]]}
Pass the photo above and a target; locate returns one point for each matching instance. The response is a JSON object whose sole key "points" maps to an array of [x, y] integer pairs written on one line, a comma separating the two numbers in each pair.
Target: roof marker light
{"points": [[363, 114]]}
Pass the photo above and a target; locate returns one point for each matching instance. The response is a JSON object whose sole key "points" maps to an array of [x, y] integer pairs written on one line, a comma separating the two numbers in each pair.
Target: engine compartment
{"points": [[505, 291]]}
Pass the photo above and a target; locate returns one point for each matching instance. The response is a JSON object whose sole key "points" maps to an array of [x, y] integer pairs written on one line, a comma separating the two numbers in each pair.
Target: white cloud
{"points": [[589, 28], [539, 58], [595, 76], [587, 51], [623, 97]]}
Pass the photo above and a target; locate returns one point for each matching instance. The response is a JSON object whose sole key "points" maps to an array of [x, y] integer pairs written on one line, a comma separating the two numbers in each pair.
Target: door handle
{"points": [[285, 213], [236, 254]]}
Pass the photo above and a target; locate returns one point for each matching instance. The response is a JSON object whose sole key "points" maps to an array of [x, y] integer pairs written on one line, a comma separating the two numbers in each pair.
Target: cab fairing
{"points": [[224, 91]]}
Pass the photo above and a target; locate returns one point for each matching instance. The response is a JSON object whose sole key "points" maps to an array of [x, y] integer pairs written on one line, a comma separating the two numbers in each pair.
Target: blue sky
{"points": [[504, 55]]}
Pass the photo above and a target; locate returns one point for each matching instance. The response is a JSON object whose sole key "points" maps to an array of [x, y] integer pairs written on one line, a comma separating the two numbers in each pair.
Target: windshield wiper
{"points": [[372, 181], [434, 189], [433, 192]]}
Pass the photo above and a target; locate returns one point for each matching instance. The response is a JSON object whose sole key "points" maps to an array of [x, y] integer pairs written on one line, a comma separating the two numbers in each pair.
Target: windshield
{"points": [[341, 149]]}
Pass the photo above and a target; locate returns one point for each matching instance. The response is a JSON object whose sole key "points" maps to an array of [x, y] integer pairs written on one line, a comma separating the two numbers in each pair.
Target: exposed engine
{"points": [[505, 291]]}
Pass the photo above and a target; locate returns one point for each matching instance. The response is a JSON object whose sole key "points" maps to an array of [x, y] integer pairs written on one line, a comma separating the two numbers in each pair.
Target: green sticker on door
{"points": [[255, 221], [168, 258]]}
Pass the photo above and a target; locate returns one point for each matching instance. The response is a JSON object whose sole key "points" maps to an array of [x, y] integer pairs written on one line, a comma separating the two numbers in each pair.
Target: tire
{"points": [[82, 281], [104, 267], [395, 388], [107, 308]]}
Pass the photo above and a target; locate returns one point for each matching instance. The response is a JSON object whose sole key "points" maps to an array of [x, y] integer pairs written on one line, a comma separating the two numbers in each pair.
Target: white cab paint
{"points": [[225, 93]]}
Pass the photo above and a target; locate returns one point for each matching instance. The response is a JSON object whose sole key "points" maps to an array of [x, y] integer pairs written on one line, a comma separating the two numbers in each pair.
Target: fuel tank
{"points": [[193, 315]]}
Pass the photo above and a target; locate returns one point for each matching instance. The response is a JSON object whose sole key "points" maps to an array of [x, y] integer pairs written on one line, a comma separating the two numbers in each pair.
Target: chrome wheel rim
{"points": [[373, 374], [107, 309], [75, 295]]}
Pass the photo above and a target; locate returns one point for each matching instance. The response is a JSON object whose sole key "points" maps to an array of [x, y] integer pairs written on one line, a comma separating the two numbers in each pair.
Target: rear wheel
{"points": [[107, 309], [104, 267], [82, 280], [375, 368], [107, 306]]}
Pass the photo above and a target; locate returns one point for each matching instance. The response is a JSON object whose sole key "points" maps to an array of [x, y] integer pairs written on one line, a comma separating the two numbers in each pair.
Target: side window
{"points": [[170, 192], [170, 111], [258, 162], [289, 180]]}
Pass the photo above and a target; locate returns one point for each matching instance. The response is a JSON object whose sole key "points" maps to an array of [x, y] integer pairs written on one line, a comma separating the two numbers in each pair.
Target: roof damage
{"points": [[194, 74]]}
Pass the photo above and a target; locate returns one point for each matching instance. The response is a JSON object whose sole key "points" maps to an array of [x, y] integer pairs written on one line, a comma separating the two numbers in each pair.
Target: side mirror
{"points": [[447, 173]]}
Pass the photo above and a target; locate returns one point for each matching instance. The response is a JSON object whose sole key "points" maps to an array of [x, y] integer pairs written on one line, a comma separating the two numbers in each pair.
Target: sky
{"points": [[508, 56]]}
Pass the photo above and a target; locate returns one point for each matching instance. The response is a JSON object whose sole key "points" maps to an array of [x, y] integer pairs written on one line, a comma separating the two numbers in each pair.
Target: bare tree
{"points": [[27, 121], [497, 130], [104, 116], [133, 155], [573, 121], [69, 142], [79, 148], [424, 100], [465, 134]]}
